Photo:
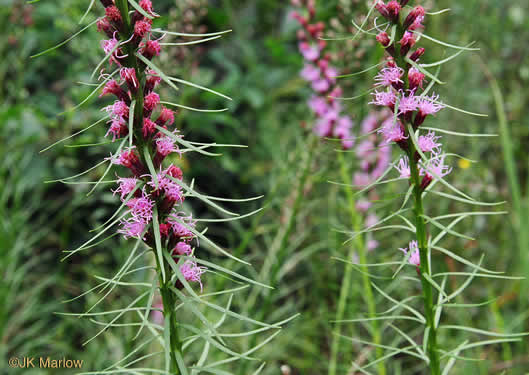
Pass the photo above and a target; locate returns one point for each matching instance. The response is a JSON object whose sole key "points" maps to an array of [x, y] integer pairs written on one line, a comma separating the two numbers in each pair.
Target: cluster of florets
{"points": [[143, 191], [375, 157], [319, 72], [399, 86]]}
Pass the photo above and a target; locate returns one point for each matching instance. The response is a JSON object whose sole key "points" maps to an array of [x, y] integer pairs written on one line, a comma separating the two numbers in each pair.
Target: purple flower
{"points": [[310, 73], [428, 106], [321, 85], [309, 52], [126, 186], [392, 131], [389, 76], [404, 167], [318, 105], [180, 225], [428, 142], [182, 248], [342, 130], [415, 257], [192, 272], [384, 98], [408, 103], [435, 167], [141, 207], [132, 227], [165, 146], [118, 111]]}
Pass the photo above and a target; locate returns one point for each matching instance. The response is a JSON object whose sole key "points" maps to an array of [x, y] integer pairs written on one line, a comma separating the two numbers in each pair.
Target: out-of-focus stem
{"points": [[358, 246]]}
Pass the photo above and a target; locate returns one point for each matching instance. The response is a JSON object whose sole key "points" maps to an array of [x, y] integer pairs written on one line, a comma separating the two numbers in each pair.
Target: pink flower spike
{"points": [[403, 167], [321, 85], [408, 104], [436, 167], [310, 53], [391, 131], [192, 272], [165, 146], [389, 76], [151, 101], [118, 128], [180, 225], [415, 256], [384, 98], [141, 207], [310, 73], [118, 111], [126, 186], [318, 105], [182, 248], [141, 28], [429, 105], [133, 227], [428, 142], [129, 76]]}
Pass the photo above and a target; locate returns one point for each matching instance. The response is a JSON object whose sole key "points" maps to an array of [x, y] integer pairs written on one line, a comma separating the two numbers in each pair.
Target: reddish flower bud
{"points": [[146, 5], [149, 128], [129, 159], [393, 9], [415, 78], [166, 117], [382, 9], [175, 172], [164, 229], [113, 88], [151, 101], [129, 76], [152, 48], [383, 38], [416, 14], [151, 82], [416, 55], [103, 25], [114, 16], [406, 43], [141, 28]]}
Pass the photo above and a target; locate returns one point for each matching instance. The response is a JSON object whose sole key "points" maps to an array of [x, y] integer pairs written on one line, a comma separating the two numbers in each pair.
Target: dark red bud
{"points": [[417, 54]]}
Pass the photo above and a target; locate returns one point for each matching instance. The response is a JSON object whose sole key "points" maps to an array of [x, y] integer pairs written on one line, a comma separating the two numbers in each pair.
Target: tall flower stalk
{"points": [[403, 85], [152, 196]]}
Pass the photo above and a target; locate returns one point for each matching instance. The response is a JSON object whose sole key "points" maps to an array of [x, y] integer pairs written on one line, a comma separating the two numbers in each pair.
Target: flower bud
{"points": [[416, 55], [413, 16], [103, 25], [129, 76], [166, 117], [415, 78], [393, 9], [114, 16], [150, 102], [406, 43], [149, 128], [152, 48], [383, 38]]}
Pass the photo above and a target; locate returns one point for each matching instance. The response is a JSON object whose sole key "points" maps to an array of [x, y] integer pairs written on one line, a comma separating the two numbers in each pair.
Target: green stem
{"points": [[422, 241], [168, 298], [358, 246]]}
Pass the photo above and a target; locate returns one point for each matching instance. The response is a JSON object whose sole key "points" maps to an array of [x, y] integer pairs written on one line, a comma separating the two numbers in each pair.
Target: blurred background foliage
{"points": [[291, 242]]}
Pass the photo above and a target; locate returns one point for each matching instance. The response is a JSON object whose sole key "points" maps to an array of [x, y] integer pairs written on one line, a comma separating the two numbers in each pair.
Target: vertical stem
{"points": [[422, 241], [168, 298], [359, 246]]}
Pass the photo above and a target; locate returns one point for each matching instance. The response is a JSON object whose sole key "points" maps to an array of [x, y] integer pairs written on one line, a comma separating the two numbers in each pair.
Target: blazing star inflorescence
{"points": [[320, 73], [137, 112]]}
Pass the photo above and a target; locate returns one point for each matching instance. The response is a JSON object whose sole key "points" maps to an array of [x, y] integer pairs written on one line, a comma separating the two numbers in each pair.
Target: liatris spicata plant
{"points": [[404, 86], [331, 122], [152, 194]]}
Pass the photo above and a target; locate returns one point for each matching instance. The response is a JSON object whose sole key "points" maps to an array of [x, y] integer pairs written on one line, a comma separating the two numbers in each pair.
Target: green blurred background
{"points": [[257, 65]]}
